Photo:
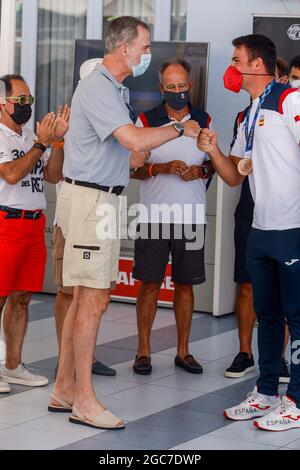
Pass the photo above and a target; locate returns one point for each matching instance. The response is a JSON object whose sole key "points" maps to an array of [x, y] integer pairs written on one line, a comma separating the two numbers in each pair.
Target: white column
{"points": [[7, 39], [162, 20], [94, 24], [29, 45]]}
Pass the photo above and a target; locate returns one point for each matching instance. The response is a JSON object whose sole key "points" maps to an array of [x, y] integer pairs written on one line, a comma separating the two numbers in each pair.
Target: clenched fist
{"points": [[207, 141], [191, 129]]}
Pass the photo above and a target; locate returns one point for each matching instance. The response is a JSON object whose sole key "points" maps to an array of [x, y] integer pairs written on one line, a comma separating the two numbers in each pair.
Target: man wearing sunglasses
{"points": [[23, 169]]}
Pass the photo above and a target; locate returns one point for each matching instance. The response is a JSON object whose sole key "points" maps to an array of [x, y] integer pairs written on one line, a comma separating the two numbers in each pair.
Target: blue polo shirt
{"points": [[92, 154]]}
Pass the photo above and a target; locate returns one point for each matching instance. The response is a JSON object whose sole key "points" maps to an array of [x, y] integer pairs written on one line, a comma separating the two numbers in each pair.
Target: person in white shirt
{"points": [[267, 150], [174, 176], [23, 169]]}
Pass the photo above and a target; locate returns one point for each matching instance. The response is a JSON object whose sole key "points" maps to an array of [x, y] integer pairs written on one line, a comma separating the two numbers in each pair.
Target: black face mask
{"points": [[177, 101], [21, 114]]}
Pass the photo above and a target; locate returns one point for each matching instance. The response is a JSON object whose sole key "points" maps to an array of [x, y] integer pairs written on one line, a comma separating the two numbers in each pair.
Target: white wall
{"points": [[218, 22]]}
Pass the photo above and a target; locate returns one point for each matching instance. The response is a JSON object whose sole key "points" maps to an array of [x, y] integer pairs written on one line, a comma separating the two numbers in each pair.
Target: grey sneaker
{"points": [[4, 387], [23, 376]]}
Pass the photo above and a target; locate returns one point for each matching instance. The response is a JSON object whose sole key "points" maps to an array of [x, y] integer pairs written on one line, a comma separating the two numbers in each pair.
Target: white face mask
{"points": [[295, 83], [141, 68]]}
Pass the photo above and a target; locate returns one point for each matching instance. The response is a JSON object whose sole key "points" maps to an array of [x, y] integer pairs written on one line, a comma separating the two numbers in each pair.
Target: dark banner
{"points": [[144, 92], [284, 31]]}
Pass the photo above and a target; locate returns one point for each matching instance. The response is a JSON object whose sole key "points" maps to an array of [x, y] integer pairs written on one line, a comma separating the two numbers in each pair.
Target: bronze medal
{"points": [[245, 167]]}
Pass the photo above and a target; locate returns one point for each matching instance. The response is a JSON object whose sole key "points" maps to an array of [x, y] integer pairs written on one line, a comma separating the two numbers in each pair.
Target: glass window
{"points": [[59, 24], [18, 40], [178, 25], [141, 9]]}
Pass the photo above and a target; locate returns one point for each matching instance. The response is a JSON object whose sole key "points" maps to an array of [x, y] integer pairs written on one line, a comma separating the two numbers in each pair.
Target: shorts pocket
{"points": [[89, 262]]}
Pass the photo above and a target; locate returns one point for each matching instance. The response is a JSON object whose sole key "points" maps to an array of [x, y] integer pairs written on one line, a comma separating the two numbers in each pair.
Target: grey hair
{"points": [[122, 30], [183, 63]]}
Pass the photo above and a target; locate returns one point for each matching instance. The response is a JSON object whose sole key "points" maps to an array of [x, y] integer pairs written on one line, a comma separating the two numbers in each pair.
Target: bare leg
{"points": [[62, 304], [183, 308], [2, 303], [65, 380], [146, 307], [91, 306], [246, 317], [15, 326]]}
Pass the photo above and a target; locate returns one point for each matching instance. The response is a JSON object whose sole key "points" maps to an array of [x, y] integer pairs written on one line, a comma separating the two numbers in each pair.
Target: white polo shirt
{"points": [[189, 198], [275, 180], [27, 194]]}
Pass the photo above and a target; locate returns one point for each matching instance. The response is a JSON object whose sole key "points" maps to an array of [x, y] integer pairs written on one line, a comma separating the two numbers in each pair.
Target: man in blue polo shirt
{"points": [[96, 170]]}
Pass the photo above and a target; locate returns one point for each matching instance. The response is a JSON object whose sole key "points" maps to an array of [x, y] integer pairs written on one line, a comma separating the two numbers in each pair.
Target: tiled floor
{"points": [[168, 410]]}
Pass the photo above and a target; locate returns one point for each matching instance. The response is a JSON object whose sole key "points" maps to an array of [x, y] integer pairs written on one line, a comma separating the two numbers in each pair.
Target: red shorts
{"points": [[23, 254]]}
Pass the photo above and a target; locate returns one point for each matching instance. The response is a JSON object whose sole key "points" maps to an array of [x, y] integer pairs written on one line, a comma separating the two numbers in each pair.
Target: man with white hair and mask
{"points": [[64, 295]]}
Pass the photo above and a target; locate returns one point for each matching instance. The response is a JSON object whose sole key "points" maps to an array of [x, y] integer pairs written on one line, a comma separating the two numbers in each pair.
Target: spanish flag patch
{"points": [[297, 118], [261, 121]]}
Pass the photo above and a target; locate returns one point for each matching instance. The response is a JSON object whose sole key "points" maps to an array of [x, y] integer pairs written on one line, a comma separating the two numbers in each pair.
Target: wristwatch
{"points": [[179, 128]]}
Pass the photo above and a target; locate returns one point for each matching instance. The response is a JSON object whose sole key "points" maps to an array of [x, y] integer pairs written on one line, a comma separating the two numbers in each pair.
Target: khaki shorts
{"points": [[89, 221], [58, 246]]}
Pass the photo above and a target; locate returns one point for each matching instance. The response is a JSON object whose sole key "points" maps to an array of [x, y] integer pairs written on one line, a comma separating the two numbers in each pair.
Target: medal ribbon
{"points": [[249, 135]]}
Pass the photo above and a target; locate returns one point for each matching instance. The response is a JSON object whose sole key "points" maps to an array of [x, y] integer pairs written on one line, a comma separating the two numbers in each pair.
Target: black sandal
{"points": [[189, 364], [142, 365]]}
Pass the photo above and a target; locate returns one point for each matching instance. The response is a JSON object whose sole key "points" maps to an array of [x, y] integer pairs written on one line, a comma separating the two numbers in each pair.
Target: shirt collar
{"points": [[107, 74], [10, 132], [123, 89], [162, 113]]}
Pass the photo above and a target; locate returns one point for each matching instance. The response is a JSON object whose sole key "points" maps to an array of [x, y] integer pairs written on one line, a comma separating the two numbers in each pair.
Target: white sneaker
{"points": [[254, 406], [4, 387], [285, 416], [23, 376]]}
